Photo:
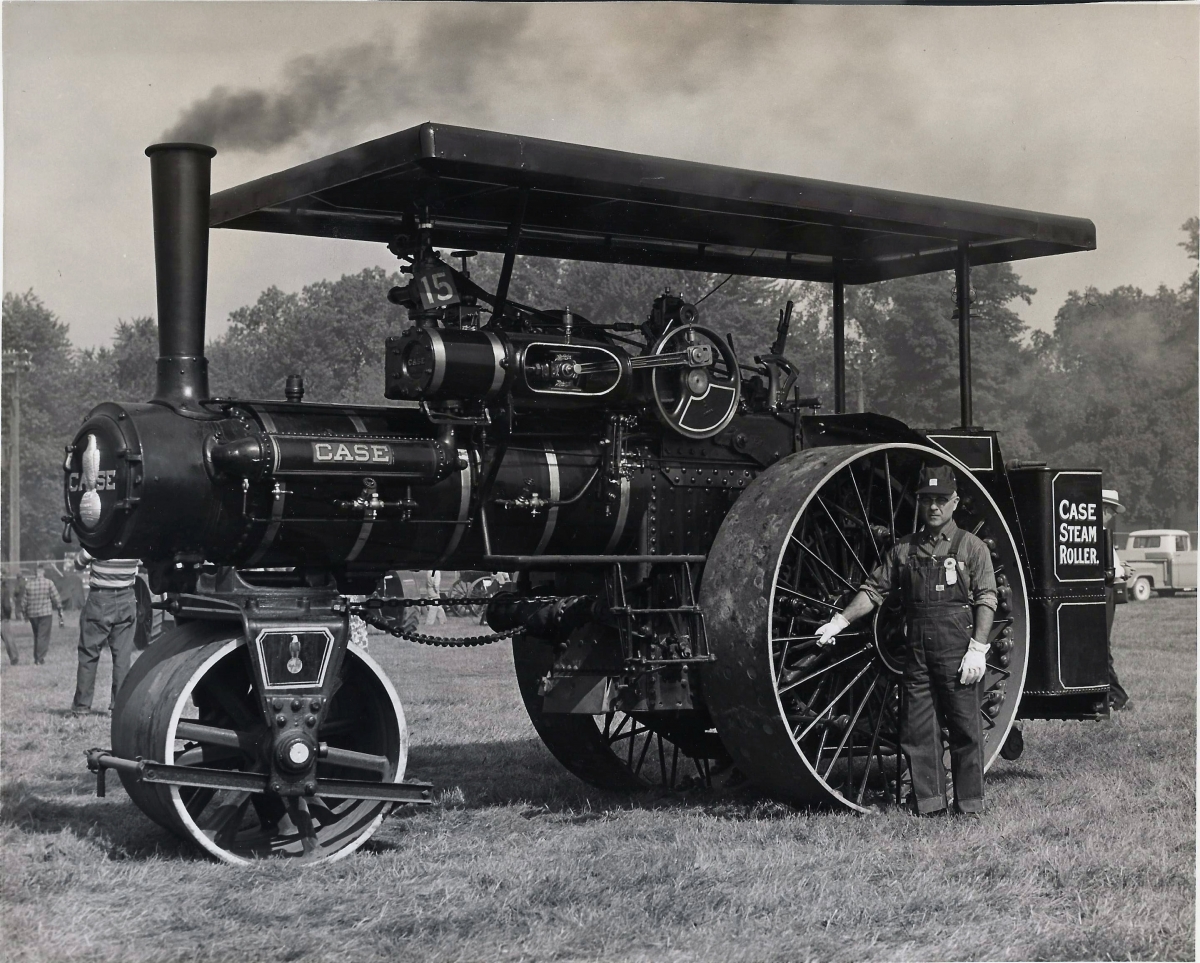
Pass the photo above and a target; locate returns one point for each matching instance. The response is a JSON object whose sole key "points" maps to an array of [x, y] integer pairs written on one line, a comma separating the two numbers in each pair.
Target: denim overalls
{"points": [[940, 622]]}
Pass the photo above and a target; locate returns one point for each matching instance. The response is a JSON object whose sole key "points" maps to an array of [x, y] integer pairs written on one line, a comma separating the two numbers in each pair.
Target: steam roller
{"points": [[677, 515]]}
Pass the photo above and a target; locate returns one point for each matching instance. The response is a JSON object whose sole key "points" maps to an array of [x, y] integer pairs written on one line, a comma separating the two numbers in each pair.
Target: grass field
{"points": [[1087, 851]]}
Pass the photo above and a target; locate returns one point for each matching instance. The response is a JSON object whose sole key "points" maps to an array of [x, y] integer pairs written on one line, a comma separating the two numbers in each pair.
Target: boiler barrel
{"points": [[361, 489]]}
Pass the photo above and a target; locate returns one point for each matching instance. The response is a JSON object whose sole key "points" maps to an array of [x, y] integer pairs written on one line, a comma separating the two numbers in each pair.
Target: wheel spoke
{"points": [[862, 788], [807, 598], [821, 671], [866, 516], [358, 760], [837, 528], [303, 821], [198, 800], [836, 699], [204, 756], [832, 570], [246, 742], [642, 757], [850, 727], [221, 820], [887, 471]]}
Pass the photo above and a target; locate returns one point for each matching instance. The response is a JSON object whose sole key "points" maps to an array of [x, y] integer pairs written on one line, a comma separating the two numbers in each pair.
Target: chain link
{"points": [[364, 610]]}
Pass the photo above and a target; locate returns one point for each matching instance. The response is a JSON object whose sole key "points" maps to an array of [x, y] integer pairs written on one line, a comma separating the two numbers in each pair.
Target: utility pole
{"points": [[15, 363]]}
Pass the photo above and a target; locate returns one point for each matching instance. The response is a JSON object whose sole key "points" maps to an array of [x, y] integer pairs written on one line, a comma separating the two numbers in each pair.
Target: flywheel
{"points": [[821, 725]]}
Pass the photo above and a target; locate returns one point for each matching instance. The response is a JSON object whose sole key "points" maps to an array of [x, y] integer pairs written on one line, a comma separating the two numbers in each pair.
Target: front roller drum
{"points": [[195, 686], [821, 725]]}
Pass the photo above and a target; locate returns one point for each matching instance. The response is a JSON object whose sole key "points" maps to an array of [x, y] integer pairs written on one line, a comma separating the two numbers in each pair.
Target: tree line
{"points": [[1114, 385]]}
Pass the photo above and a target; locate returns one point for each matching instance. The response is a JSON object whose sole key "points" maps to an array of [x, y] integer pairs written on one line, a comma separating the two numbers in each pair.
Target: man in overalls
{"points": [[946, 581]]}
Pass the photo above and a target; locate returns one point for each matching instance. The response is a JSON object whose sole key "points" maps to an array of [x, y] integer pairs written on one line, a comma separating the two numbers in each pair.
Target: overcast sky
{"points": [[1087, 110]]}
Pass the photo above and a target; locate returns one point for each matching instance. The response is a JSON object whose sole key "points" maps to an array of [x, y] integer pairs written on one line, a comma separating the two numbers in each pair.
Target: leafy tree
{"points": [[50, 411], [908, 350], [331, 332], [1118, 391]]}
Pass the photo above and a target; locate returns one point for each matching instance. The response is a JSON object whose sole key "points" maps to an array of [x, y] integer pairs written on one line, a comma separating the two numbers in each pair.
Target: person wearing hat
{"points": [[1111, 507], [945, 579]]}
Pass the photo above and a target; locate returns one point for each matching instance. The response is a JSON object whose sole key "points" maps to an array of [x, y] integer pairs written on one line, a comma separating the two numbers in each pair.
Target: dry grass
{"points": [[1087, 851]]}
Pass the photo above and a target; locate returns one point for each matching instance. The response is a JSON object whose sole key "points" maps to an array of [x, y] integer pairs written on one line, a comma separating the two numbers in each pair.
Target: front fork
{"points": [[297, 644]]}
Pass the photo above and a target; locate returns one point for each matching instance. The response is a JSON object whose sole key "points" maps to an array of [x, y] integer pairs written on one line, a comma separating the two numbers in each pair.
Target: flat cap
{"points": [[937, 480]]}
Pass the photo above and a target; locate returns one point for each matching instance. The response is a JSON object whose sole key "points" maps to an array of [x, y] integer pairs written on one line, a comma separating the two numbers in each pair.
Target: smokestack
{"points": [[179, 175]]}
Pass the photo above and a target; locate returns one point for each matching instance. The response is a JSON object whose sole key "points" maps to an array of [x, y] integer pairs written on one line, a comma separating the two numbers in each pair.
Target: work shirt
{"points": [[972, 554], [41, 597], [110, 573]]}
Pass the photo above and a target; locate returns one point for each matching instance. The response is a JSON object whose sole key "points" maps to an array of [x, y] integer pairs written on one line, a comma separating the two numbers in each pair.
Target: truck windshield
{"points": [[1181, 543]]}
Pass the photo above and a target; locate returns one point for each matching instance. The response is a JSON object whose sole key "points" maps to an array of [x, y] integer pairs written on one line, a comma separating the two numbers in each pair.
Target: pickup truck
{"points": [[1158, 560]]}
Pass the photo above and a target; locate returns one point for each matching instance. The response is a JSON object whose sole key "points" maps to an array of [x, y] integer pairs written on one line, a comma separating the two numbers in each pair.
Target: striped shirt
{"points": [[111, 573], [40, 598]]}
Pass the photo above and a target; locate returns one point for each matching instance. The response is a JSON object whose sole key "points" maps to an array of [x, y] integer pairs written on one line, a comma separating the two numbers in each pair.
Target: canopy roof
{"points": [[589, 204]]}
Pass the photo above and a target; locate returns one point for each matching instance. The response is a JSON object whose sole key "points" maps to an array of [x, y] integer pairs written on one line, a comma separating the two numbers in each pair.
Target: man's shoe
{"points": [[1121, 706]]}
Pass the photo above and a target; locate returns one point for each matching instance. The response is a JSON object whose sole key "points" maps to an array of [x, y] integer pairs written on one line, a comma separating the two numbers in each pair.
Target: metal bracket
{"points": [[99, 760]]}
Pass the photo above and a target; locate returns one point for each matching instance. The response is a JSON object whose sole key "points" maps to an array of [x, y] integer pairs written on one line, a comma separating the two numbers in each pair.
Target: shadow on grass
{"points": [[72, 713], [481, 775], [117, 825], [1014, 774]]}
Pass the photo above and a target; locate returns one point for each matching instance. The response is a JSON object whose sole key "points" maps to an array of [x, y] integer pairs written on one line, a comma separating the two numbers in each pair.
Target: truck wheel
{"points": [[1141, 590], [810, 725], [193, 686]]}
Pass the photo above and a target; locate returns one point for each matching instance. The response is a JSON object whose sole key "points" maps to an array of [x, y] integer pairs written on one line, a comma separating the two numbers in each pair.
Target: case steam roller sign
{"points": [[1078, 521]]}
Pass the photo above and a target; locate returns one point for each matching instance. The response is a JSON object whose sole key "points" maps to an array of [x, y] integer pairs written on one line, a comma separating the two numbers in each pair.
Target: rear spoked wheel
{"points": [[190, 701], [616, 750], [810, 724]]}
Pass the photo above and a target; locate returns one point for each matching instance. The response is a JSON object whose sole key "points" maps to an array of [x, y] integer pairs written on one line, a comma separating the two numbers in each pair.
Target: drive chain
{"points": [[367, 612]]}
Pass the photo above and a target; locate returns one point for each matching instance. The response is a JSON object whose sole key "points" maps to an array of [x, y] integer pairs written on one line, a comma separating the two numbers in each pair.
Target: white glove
{"points": [[974, 663], [826, 632]]}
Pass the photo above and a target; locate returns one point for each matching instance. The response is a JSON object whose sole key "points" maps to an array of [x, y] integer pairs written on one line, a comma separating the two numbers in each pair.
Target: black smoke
{"points": [[456, 60], [346, 85]]}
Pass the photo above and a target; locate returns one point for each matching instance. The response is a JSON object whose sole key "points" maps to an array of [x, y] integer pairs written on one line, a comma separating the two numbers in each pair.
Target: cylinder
{"points": [[180, 175]]}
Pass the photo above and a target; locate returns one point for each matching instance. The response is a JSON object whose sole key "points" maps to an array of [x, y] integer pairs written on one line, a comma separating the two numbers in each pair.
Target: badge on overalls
{"points": [[951, 570]]}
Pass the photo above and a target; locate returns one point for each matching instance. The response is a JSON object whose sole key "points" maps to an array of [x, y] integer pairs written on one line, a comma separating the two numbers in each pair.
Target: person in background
{"points": [[109, 616], [433, 586], [40, 598], [1118, 698], [6, 601]]}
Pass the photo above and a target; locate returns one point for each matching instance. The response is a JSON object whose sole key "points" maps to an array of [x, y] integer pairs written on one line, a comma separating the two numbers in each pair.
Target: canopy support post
{"points": [[510, 252], [963, 277], [839, 343]]}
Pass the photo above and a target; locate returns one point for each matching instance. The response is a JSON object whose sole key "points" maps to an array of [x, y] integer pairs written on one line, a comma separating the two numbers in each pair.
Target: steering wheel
{"points": [[694, 380]]}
